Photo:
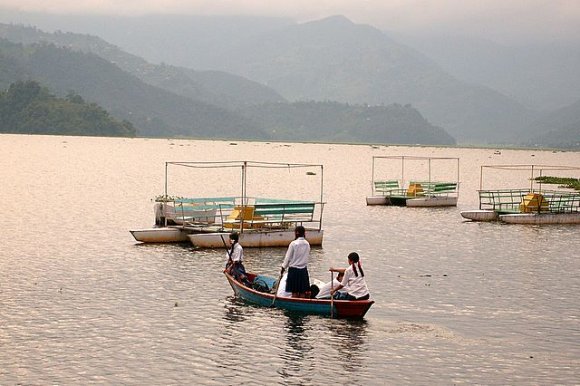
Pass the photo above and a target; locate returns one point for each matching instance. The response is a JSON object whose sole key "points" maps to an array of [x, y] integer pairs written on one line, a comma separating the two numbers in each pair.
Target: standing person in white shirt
{"points": [[353, 282], [296, 262], [235, 263]]}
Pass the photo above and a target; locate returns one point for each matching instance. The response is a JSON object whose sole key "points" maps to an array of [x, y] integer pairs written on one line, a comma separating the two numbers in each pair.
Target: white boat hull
{"points": [[376, 200], [542, 218], [159, 235], [258, 239], [431, 201], [480, 215]]}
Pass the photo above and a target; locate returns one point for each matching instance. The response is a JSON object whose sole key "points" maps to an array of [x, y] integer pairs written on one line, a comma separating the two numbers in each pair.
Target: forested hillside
{"points": [[179, 104], [334, 59], [28, 108], [154, 111], [332, 121], [213, 87]]}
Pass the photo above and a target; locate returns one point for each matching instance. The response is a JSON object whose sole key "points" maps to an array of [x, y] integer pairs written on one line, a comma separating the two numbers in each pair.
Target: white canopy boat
{"points": [[533, 205], [424, 189], [261, 222]]}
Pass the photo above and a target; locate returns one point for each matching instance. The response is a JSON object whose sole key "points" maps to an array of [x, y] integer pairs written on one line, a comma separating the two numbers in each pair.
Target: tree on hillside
{"points": [[27, 107]]}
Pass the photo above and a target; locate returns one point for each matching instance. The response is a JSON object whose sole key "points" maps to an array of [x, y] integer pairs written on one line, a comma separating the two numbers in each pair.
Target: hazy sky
{"points": [[498, 19]]}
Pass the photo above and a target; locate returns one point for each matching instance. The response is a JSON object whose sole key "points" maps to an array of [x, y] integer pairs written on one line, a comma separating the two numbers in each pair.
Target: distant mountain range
{"points": [[541, 76], [560, 129], [335, 59], [163, 100], [266, 61]]}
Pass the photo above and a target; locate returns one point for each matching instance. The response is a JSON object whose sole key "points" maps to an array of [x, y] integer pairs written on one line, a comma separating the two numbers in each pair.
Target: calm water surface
{"points": [[456, 302]]}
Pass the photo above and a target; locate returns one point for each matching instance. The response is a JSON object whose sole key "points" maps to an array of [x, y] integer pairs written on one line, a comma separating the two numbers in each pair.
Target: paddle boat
{"points": [[423, 189], [264, 297], [530, 205], [261, 222]]}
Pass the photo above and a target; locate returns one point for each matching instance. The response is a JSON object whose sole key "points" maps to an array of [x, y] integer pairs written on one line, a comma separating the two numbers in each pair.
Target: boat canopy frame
{"points": [[532, 168], [510, 200], [412, 158], [244, 166]]}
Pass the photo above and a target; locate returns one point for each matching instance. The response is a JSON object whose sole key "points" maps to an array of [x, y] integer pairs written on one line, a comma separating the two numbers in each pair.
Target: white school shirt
{"points": [[354, 285], [237, 253], [297, 254], [325, 289]]}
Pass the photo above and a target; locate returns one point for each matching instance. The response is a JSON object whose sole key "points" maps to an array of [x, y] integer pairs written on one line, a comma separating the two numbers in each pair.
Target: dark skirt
{"points": [[298, 280], [238, 270]]}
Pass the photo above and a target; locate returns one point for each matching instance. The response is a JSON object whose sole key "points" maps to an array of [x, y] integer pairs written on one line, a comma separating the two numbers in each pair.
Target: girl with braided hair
{"points": [[353, 281]]}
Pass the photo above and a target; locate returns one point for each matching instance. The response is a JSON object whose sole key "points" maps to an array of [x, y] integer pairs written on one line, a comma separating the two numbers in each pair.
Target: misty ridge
{"points": [[274, 79]]}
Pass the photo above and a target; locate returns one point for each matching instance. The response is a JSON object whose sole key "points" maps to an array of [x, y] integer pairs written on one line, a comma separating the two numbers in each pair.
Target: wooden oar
{"points": [[276, 289], [331, 294], [227, 250]]}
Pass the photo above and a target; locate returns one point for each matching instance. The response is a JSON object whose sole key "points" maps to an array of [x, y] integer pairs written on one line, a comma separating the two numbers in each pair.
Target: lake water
{"points": [[456, 302]]}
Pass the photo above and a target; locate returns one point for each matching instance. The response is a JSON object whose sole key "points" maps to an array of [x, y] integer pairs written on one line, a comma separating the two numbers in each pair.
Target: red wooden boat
{"points": [[332, 308]]}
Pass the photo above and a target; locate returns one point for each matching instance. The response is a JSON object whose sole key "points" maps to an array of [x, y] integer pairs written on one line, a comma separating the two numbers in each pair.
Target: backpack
{"points": [[260, 285]]}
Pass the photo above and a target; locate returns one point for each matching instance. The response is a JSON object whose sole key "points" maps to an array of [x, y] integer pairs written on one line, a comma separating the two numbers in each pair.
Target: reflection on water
{"points": [[234, 312], [350, 341], [298, 354], [455, 302]]}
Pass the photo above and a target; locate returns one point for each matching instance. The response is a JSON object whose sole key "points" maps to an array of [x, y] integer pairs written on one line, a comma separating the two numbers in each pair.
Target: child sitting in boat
{"points": [[320, 290], [353, 282]]}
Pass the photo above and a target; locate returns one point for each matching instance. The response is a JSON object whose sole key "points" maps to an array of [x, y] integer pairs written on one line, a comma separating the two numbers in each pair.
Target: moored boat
{"points": [[258, 238], [355, 309], [531, 205], [427, 187], [541, 218], [480, 215], [160, 235], [261, 222]]}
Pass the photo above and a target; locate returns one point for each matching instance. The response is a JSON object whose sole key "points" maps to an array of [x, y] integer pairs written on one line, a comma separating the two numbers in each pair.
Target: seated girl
{"points": [[353, 283]]}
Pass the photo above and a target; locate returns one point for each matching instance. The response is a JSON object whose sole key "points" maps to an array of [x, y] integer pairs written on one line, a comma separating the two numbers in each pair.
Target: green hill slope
{"points": [[235, 108], [28, 108], [332, 121], [154, 111]]}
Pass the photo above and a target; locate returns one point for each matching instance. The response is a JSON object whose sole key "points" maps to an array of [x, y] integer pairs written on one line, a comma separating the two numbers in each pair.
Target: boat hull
{"points": [[541, 218], [255, 239], [480, 215], [377, 200], [431, 201], [159, 235], [421, 202], [337, 308]]}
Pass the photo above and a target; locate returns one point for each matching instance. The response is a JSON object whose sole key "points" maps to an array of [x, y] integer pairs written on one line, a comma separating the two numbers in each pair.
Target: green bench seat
{"points": [[282, 210], [435, 188], [386, 186]]}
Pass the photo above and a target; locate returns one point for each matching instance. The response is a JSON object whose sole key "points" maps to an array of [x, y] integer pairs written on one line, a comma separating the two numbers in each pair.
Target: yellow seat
{"points": [[534, 202], [415, 190], [239, 213]]}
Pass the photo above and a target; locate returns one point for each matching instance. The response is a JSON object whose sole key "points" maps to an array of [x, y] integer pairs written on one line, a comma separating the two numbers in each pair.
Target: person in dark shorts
{"points": [[296, 262]]}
